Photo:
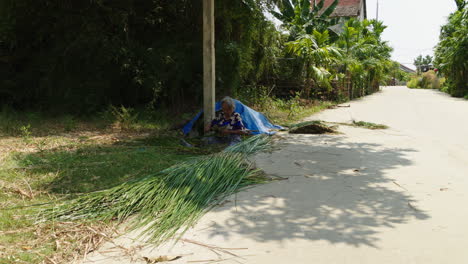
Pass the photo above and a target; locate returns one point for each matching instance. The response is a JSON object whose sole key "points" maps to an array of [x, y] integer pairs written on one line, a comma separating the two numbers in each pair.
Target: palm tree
{"points": [[365, 55], [418, 62], [318, 55]]}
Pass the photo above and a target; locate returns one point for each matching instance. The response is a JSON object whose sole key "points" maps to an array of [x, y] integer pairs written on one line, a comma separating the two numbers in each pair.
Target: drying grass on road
{"points": [[312, 127], [368, 125], [173, 198], [363, 124]]}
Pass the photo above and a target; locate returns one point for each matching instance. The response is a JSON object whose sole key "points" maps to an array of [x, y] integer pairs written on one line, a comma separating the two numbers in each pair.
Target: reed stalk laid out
{"points": [[170, 200]]}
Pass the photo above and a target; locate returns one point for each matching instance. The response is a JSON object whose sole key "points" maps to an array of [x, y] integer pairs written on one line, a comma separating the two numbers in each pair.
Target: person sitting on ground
{"points": [[228, 125]]}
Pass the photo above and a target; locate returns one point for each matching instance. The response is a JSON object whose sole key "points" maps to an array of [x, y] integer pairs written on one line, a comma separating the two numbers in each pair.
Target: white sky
{"points": [[413, 26]]}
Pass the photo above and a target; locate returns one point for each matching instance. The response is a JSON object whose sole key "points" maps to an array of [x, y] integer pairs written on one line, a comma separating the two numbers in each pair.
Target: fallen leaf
{"points": [[161, 259]]}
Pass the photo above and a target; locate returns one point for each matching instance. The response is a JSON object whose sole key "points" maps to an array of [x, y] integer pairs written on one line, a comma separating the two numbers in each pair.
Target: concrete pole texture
{"points": [[208, 61]]}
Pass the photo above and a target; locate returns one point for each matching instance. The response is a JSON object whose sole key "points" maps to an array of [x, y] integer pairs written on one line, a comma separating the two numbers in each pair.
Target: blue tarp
{"points": [[252, 120]]}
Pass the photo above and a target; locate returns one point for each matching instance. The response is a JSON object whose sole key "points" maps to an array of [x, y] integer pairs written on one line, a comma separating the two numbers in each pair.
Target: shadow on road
{"points": [[336, 191]]}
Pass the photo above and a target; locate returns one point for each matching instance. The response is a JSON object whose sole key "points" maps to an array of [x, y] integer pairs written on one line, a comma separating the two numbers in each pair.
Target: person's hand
{"points": [[207, 127], [225, 131]]}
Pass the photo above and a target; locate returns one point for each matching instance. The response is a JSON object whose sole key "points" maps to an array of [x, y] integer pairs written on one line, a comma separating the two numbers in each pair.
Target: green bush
{"points": [[413, 82], [430, 80], [427, 80]]}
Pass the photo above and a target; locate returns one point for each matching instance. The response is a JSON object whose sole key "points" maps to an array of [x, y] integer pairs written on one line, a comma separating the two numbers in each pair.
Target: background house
{"points": [[348, 8], [406, 69]]}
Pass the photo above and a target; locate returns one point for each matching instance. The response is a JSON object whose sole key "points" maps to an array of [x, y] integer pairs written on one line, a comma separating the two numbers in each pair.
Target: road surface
{"points": [[398, 195]]}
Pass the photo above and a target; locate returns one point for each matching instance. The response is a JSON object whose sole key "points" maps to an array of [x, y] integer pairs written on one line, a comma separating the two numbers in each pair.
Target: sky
{"points": [[413, 26]]}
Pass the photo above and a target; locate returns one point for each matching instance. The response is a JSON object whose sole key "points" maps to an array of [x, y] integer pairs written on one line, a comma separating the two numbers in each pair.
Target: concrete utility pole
{"points": [[208, 61], [377, 11]]}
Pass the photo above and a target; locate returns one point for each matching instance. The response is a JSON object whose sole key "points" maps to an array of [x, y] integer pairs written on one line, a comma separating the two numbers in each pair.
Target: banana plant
{"points": [[300, 17], [317, 54]]}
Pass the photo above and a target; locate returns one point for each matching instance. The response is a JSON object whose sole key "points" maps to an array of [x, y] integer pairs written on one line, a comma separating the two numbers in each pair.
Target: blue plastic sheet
{"points": [[252, 120]]}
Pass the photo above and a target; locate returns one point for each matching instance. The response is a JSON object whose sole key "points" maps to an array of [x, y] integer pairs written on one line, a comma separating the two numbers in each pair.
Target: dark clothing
{"points": [[234, 122], [222, 122]]}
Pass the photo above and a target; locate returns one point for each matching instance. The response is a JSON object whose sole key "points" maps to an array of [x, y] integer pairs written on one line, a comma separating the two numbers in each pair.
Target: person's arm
{"points": [[238, 126], [210, 125]]}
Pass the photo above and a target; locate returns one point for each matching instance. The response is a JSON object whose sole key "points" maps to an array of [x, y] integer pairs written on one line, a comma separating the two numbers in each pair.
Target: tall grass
{"points": [[165, 202]]}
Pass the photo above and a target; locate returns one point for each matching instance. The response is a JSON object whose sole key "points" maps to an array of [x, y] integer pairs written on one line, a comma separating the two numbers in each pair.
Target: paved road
{"points": [[364, 196]]}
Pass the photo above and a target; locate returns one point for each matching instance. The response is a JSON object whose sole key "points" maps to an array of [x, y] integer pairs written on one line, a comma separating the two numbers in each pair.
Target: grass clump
{"points": [[368, 125], [312, 127], [164, 202]]}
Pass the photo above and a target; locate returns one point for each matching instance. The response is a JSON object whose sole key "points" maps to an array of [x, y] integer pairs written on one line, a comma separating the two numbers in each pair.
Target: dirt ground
{"points": [[397, 195]]}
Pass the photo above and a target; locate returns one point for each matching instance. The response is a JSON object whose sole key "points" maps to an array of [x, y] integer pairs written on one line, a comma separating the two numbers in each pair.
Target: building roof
{"points": [[346, 8], [406, 69]]}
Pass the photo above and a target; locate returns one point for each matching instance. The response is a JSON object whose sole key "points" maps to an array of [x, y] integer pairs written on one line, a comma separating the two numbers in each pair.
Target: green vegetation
{"points": [[421, 61], [300, 18], [451, 54], [175, 197], [312, 127], [368, 125], [148, 54], [322, 127], [284, 112], [427, 80]]}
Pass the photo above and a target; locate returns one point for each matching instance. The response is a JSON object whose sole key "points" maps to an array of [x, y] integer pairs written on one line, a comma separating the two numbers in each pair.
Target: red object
{"points": [[436, 70]]}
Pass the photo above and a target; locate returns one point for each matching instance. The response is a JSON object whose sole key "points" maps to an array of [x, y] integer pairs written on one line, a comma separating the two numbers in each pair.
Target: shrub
{"points": [[125, 117], [427, 80], [412, 83], [430, 80]]}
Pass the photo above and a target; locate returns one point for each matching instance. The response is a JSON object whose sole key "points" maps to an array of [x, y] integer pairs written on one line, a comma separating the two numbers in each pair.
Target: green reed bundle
{"points": [[172, 199]]}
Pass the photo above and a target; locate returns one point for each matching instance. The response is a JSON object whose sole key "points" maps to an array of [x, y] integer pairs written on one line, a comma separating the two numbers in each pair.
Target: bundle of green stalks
{"points": [[171, 200]]}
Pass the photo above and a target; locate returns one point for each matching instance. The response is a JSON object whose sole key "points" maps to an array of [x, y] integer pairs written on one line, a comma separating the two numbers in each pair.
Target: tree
{"points": [[451, 53], [366, 57], [427, 60], [317, 54], [418, 62]]}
